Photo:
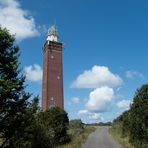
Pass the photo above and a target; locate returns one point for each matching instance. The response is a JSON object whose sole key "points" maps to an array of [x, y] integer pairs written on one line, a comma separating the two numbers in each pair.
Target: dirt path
{"points": [[101, 139]]}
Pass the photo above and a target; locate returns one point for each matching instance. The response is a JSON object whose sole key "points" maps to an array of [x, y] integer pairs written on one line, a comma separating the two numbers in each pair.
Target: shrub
{"points": [[55, 122], [134, 122], [139, 118]]}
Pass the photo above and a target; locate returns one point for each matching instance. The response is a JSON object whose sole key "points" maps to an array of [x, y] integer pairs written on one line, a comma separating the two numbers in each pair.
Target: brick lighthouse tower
{"points": [[52, 89]]}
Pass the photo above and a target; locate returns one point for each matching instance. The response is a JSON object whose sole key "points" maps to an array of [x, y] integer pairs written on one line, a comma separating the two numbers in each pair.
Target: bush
{"points": [[139, 118], [133, 123], [55, 122], [76, 124]]}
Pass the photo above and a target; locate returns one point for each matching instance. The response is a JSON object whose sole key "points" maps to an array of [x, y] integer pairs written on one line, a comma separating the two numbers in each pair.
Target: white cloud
{"points": [[95, 116], [17, 20], [33, 73], [83, 112], [75, 100], [98, 76], [91, 115], [98, 102], [100, 99], [131, 74], [124, 104]]}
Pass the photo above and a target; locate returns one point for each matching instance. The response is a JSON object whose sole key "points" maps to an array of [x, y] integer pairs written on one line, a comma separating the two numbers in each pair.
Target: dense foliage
{"points": [[13, 98], [76, 126], [101, 124], [134, 122], [139, 118], [55, 122], [78, 132], [22, 123]]}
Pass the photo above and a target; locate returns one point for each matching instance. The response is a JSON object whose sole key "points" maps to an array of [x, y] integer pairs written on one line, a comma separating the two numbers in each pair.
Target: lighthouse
{"points": [[52, 84]]}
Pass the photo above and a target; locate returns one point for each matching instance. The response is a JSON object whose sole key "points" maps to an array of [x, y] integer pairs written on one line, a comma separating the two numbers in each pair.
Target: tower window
{"points": [[52, 57], [58, 77], [51, 98]]}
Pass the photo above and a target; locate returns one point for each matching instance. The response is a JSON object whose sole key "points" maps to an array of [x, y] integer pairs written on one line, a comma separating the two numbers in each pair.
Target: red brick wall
{"points": [[52, 89]]}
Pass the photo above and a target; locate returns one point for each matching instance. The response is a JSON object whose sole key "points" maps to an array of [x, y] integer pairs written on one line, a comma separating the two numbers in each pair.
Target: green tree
{"points": [[56, 121], [139, 118], [77, 125], [126, 123], [22, 124], [13, 98], [33, 106], [35, 134], [118, 125]]}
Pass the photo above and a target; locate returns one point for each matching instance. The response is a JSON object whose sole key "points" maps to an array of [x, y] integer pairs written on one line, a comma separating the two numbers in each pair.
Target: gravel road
{"points": [[101, 139]]}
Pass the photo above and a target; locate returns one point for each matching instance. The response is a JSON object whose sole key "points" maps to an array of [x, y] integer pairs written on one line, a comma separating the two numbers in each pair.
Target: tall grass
{"points": [[124, 141], [78, 138]]}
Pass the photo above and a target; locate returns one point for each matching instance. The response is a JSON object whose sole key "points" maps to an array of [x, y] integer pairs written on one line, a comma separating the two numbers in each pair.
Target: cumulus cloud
{"points": [[96, 77], [83, 112], [125, 104], [17, 20], [103, 82], [75, 100], [132, 74], [33, 73], [95, 116], [98, 102], [99, 99], [91, 115]]}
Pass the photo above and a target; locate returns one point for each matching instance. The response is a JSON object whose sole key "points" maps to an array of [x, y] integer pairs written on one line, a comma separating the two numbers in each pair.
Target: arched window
{"points": [[51, 106]]}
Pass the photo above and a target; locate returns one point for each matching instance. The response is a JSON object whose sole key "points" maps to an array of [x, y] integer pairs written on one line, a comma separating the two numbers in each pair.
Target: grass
{"points": [[124, 142], [77, 139]]}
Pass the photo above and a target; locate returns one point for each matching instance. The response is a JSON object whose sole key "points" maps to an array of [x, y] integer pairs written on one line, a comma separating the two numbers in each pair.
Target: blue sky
{"points": [[104, 56]]}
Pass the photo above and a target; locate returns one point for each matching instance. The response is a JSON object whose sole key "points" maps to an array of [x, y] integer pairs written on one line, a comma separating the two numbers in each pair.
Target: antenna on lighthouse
{"points": [[53, 34]]}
